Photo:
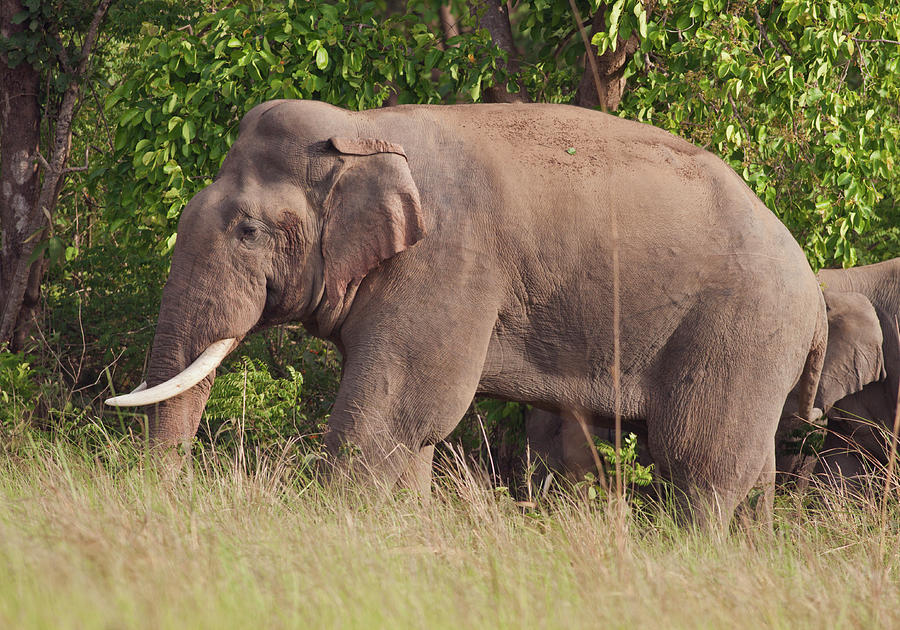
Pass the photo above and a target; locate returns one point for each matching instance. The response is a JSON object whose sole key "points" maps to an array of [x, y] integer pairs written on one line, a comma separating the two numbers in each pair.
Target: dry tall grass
{"points": [[101, 544]]}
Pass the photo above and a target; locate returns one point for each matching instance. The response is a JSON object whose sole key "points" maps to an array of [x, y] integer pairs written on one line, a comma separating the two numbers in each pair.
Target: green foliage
{"points": [[180, 107], [19, 390], [500, 411], [624, 18], [317, 362], [634, 474], [103, 308], [496, 421], [552, 48], [248, 399], [493, 434], [808, 439], [53, 32], [800, 97]]}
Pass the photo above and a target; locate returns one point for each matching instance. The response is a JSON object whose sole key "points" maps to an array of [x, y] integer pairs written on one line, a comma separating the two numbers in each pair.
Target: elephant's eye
{"points": [[248, 233]]}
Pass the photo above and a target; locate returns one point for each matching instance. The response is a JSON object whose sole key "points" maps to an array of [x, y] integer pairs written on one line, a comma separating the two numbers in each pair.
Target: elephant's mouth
{"points": [[202, 366], [277, 307], [272, 298]]}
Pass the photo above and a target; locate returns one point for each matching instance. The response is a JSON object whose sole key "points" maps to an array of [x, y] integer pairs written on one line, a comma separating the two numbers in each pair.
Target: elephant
{"points": [[859, 422], [455, 250], [857, 389]]}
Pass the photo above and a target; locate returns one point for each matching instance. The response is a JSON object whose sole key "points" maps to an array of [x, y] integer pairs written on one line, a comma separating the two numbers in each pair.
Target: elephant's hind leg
{"points": [[758, 506], [713, 479], [417, 476], [711, 431]]}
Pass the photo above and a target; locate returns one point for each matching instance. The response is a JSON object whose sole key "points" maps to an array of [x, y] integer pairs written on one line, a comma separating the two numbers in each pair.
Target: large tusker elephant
{"points": [[455, 250], [857, 389]]}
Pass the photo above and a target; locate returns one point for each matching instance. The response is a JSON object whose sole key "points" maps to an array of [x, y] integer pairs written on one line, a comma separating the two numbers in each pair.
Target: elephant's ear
{"points": [[372, 212], [854, 357]]}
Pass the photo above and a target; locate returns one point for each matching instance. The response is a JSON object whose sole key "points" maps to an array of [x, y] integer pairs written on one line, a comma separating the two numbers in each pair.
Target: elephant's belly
{"points": [[562, 378]]}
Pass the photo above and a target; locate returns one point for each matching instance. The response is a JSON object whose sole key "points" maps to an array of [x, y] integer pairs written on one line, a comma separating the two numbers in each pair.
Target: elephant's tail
{"points": [[812, 370], [792, 462]]}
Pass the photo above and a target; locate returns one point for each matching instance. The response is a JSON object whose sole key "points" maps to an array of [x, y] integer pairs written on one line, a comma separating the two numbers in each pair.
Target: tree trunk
{"points": [[19, 140], [605, 91], [21, 279], [448, 23], [493, 16]]}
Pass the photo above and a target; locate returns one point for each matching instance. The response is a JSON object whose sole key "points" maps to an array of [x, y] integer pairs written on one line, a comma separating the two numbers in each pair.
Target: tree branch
{"points": [[589, 53], [762, 30], [568, 38], [876, 41], [109, 136], [80, 169], [734, 110], [41, 160], [449, 24]]}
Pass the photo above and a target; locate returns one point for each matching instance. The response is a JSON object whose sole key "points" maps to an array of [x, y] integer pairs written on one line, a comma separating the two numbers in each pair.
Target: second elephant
{"points": [[859, 423]]}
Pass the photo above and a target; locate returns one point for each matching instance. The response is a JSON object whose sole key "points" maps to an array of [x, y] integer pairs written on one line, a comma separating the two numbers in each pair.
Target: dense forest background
{"points": [[114, 113]]}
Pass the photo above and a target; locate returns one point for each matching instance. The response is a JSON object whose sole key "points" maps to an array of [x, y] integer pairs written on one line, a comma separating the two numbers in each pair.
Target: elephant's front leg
{"points": [[401, 395]]}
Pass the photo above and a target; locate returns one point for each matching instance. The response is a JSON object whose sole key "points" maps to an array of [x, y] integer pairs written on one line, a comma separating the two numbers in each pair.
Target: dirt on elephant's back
{"points": [[575, 141]]}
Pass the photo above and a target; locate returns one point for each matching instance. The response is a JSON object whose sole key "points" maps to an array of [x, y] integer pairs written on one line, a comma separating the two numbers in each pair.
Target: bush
{"points": [[250, 404], [19, 391]]}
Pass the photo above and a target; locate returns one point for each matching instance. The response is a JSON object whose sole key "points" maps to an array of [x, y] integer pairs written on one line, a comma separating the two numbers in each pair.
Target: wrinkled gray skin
{"points": [[481, 263], [864, 417], [859, 381]]}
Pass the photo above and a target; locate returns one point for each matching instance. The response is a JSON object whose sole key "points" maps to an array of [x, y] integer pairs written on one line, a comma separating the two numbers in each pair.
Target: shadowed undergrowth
{"points": [[89, 541]]}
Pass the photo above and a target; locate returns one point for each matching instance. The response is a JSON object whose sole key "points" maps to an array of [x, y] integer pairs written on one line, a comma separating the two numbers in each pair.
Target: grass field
{"points": [[102, 542]]}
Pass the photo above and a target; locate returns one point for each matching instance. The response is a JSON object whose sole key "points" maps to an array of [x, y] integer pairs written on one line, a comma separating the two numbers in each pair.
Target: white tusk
{"points": [[140, 387], [181, 382]]}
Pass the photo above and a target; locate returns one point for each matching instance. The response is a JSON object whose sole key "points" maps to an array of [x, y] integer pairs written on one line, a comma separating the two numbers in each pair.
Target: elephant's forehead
{"points": [[211, 208], [295, 120], [222, 203], [253, 161]]}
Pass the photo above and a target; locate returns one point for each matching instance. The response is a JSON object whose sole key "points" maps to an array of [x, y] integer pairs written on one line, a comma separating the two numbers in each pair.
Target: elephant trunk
{"points": [[174, 420], [182, 362], [208, 305]]}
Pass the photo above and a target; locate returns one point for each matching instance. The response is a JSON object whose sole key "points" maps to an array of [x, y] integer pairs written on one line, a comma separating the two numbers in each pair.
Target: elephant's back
{"points": [[551, 179], [561, 160]]}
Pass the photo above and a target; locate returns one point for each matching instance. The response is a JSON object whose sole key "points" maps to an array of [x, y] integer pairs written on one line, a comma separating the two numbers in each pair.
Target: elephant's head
{"points": [[853, 359], [855, 355], [301, 211]]}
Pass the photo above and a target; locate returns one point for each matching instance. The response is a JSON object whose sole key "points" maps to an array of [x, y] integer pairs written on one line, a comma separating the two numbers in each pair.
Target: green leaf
{"points": [[55, 250], [642, 23], [321, 58], [475, 91], [188, 130], [613, 20]]}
